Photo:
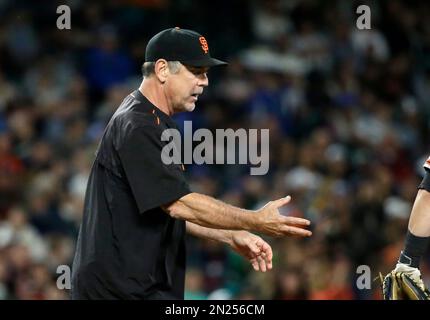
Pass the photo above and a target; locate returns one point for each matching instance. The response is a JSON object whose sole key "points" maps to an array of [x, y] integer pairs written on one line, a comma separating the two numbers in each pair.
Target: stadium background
{"points": [[348, 113]]}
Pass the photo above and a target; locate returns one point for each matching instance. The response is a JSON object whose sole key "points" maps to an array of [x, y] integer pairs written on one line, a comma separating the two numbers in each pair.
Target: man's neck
{"points": [[155, 94]]}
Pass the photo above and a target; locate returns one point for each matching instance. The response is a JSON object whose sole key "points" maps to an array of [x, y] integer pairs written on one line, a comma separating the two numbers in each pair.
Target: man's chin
{"points": [[190, 107]]}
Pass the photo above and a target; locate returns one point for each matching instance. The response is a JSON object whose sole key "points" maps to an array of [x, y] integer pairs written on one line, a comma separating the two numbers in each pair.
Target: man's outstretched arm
{"points": [[212, 213]]}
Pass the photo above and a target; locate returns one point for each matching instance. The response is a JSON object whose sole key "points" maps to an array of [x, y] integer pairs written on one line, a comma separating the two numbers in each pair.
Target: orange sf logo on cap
{"points": [[204, 44]]}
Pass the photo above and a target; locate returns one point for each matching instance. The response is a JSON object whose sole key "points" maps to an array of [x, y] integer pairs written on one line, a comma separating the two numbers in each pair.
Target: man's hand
{"points": [[253, 248], [272, 223]]}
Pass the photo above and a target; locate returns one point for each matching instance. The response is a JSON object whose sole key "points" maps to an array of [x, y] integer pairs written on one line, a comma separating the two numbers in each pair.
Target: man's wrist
{"points": [[252, 221], [229, 237], [236, 233]]}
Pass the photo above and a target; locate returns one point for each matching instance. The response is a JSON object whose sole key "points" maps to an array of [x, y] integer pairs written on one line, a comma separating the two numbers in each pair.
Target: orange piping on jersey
{"points": [[158, 119]]}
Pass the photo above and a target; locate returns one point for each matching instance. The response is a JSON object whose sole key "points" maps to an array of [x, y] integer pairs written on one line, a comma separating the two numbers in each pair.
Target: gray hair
{"points": [[148, 68]]}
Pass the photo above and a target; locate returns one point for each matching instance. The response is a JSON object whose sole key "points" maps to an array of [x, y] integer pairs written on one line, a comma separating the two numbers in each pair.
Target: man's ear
{"points": [[161, 70]]}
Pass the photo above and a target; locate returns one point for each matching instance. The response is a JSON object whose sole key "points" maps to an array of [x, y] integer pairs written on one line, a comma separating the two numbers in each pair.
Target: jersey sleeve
{"points": [[152, 182]]}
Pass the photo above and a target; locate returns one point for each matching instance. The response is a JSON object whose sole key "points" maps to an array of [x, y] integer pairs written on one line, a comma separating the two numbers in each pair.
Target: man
{"points": [[131, 243], [405, 282]]}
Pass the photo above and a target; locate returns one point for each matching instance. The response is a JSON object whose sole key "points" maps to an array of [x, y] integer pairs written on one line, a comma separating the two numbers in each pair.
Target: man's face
{"points": [[185, 86]]}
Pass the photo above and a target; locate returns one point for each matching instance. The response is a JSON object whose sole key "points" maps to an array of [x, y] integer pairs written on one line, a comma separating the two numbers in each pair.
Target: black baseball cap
{"points": [[186, 46]]}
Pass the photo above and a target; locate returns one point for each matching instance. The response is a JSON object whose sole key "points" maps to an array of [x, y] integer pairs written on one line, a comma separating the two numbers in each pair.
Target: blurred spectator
{"points": [[194, 288], [107, 64]]}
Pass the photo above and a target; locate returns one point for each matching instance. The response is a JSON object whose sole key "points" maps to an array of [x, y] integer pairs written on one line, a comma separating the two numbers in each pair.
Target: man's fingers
{"points": [[262, 263], [296, 231], [267, 257], [266, 254], [267, 249], [294, 221], [254, 248], [254, 263]]}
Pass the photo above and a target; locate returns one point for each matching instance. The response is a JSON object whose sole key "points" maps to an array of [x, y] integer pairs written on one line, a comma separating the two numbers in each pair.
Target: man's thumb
{"points": [[283, 201]]}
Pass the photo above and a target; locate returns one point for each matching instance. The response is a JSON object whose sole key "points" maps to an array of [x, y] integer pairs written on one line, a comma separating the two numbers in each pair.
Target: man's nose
{"points": [[203, 80]]}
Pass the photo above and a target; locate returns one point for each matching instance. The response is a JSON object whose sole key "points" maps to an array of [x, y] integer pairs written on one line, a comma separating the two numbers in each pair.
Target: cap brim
{"points": [[209, 62]]}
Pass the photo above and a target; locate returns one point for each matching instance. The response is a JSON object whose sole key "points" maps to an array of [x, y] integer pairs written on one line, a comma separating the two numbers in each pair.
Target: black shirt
{"points": [[128, 247]]}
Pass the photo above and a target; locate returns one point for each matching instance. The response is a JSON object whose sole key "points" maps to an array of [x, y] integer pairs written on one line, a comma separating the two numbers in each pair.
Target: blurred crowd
{"points": [[348, 112]]}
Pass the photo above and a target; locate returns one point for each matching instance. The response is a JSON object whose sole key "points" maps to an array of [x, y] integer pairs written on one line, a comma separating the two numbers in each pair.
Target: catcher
{"points": [[405, 282]]}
